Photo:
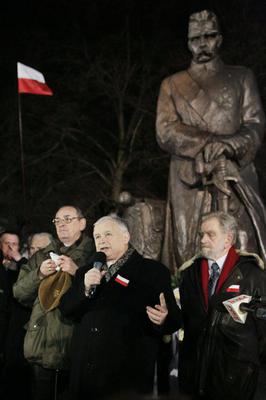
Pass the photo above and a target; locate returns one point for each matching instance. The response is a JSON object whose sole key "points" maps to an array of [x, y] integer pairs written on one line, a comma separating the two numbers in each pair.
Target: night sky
{"points": [[62, 39], [25, 24]]}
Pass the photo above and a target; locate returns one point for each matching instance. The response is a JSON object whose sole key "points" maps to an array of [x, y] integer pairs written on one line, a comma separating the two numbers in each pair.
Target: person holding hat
{"points": [[40, 284]]}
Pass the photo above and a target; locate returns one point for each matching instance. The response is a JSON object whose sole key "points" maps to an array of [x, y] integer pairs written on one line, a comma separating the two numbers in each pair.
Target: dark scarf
{"points": [[118, 264]]}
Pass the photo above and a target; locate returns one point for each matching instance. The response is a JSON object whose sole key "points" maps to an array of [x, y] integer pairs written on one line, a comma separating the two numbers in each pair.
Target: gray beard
{"points": [[208, 253]]}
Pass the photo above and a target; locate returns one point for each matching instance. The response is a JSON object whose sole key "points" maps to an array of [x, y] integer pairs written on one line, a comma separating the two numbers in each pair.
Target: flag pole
{"points": [[29, 80], [22, 158]]}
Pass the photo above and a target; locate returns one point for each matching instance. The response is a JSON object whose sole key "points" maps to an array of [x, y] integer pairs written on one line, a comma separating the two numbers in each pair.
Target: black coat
{"points": [[220, 357], [114, 344], [13, 316]]}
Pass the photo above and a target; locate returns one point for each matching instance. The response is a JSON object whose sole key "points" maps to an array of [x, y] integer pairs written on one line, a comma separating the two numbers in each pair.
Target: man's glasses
{"points": [[65, 220]]}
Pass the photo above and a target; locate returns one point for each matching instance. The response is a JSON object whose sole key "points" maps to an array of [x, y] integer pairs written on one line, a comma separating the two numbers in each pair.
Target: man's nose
{"points": [[202, 41], [61, 222], [203, 238]]}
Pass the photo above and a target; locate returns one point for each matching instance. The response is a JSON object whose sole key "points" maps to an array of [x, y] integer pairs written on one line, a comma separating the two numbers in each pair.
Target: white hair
{"points": [[117, 220], [227, 222]]}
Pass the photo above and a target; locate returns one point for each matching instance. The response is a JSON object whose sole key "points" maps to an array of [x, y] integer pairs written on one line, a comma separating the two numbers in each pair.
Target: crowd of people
{"points": [[84, 318], [55, 332]]}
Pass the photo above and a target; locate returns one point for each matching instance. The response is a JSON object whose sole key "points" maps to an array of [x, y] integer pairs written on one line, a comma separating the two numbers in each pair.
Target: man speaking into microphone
{"points": [[121, 309], [220, 357]]}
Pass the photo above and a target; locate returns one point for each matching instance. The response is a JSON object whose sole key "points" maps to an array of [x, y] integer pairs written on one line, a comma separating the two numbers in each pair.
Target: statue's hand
{"points": [[214, 150]]}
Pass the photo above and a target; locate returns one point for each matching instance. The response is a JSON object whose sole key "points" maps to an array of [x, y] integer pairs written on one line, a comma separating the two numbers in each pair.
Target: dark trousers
{"points": [[15, 382], [49, 384]]}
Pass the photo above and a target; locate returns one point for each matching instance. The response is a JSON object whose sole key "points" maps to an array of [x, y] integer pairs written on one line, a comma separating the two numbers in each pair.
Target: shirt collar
{"points": [[220, 262]]}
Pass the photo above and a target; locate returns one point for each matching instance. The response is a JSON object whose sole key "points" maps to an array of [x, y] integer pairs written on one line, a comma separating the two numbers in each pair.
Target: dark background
{"points": [[104, 60]]}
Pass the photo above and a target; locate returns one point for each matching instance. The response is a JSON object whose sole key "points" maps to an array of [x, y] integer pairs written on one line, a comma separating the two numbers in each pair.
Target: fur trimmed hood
{"points": [[242, 253]]}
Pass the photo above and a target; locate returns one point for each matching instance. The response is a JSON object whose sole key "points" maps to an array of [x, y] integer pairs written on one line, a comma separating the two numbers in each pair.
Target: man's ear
{"points": [[82, 223], [126, 237], [229, 240], [189, 45], [220, 41]]}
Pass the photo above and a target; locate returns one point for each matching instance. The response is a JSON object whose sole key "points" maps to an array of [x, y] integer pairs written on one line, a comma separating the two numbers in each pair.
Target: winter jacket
{"points": [[48, 333], [114, 343], [220, 358]]}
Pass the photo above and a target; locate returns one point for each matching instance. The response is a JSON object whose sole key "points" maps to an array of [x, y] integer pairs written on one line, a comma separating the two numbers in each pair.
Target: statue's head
{"points": [[204, 36]]}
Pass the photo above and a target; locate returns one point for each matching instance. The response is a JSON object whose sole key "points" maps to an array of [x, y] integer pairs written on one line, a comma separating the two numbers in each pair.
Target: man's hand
{"points": [[93, 277], [214, 150], [13, 254], [158, 314], [67, 265], [48, 267]]}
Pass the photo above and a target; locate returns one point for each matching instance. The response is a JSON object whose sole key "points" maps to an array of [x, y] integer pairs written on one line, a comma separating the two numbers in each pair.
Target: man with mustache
{"points": [[210, 119], [220, 358], [48, 335]]}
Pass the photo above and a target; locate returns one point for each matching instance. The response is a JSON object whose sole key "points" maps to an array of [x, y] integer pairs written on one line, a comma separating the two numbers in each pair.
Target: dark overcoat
{"points": [[219, 102], [114, 343], [219, 357]]}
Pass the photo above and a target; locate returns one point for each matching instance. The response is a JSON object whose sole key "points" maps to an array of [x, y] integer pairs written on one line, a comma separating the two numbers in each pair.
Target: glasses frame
{"points": [[66, 220]]}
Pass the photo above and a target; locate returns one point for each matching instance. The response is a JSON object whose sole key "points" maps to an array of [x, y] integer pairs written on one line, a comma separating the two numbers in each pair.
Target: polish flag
{"points": [[233, 289], [123, 281], [31, 81]]}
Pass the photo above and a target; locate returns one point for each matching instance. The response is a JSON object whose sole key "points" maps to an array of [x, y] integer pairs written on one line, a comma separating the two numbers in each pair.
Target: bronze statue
{"points": [[145, 219], [210, 119]]}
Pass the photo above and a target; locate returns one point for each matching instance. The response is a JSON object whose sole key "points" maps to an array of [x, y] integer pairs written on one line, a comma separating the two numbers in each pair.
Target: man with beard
{"points": [[220, 358], [210, 119], [118, 324]]}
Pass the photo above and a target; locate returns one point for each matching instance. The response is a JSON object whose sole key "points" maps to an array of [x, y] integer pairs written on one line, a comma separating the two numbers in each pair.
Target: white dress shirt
{"points": [[220, 263]]}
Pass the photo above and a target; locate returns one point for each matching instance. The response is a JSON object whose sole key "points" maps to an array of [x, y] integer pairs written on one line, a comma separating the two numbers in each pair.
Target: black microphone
{"points": [[99, 260], [258, 309], [246, 307]]}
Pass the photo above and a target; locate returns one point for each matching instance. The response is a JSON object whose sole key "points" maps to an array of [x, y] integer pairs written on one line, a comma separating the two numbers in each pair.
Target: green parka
{"points": [[48, 334]]}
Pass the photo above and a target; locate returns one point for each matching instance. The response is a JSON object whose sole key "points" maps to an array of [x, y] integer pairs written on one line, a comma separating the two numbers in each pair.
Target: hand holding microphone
{"points": [[94, 276]]}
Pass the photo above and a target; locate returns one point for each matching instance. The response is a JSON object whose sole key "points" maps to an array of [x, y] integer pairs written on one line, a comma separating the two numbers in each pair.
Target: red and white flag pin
{"points": [[233, 289], [123, 281]]}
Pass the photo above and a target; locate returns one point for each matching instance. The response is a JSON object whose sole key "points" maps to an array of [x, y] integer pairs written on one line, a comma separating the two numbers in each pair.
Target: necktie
{"points": [[213, 278]]}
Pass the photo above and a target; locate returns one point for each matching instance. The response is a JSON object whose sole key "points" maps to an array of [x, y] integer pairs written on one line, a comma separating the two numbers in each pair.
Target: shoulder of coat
{"points": [[189, 262], [238, 71], [259, 261], [175, 77]]}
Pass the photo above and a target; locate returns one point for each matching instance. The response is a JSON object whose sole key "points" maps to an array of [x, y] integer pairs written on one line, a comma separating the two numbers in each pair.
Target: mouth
{"points": [[104, 248], [204, 55], [63, 233], [205, 248]]}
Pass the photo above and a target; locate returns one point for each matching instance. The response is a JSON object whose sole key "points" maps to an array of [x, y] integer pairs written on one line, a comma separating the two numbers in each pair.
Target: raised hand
{"points": [[158, 314]]}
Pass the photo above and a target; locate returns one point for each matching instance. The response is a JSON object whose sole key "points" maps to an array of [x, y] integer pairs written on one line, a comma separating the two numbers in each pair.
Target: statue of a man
{"points": [[210, 119]]}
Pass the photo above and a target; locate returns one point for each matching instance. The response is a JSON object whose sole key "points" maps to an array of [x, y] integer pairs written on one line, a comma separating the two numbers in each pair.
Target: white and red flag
{"points": [[32, 81], [123, 281]]}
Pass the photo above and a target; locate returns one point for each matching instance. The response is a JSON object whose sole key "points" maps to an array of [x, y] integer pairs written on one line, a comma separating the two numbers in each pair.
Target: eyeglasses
{"points": [[65, 220]]}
